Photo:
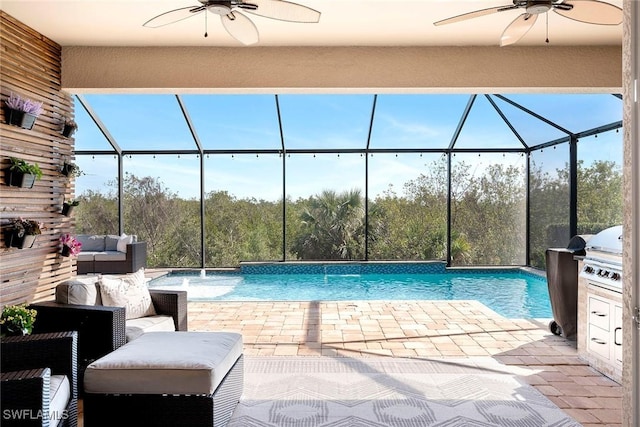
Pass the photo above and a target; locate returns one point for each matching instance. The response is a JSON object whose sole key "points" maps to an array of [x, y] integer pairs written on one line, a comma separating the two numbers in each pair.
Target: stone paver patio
{"points": [[426, 329]]}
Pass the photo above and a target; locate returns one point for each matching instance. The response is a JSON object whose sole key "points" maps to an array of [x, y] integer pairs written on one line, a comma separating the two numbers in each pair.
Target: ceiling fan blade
{"points": [[240, 28], [281, 10], [475, 14], [518, 28], [173, 16], [591, 12]]}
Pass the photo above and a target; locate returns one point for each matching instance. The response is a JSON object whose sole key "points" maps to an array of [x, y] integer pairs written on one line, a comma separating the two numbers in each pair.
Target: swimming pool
{"points": [[511, 293]]}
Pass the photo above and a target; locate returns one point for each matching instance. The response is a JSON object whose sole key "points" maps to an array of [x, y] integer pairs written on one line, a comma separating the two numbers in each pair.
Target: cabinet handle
{"points": [[598, 341], [599, 314], [615, 336]]}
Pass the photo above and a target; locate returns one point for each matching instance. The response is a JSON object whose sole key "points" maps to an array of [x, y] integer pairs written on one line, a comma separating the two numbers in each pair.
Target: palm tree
{"points": [[332, 227]]}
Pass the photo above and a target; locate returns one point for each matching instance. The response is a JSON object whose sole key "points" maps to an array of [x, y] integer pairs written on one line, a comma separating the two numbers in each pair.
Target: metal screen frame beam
{"points": [[367, 151]]}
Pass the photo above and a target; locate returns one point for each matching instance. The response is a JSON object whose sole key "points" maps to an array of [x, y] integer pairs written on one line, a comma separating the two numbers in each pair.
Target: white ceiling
{"points": [[342, 23]]}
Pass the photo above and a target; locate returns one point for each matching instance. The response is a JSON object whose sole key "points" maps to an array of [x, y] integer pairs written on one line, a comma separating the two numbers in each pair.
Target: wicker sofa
{"points": [[39, 380], [111, 254], [102, 328]]}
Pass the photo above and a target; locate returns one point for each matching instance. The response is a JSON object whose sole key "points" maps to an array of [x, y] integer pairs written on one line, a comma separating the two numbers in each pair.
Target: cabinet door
{"points": [[617, 334]]}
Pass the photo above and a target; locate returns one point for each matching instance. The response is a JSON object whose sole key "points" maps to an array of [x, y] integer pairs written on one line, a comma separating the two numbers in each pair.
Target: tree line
{"points": [[488, 216]]}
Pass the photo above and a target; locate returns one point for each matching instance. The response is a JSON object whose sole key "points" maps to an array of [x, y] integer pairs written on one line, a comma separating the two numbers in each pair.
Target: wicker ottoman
{"points": [[166, 379]]}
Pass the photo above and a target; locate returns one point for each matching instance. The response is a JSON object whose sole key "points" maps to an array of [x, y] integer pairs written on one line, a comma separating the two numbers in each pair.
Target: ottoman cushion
{"points": [[166, 363], [136, 327]]}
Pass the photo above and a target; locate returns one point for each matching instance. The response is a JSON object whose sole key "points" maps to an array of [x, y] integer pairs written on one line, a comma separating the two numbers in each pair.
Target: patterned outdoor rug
{"points": [[381, 392]]}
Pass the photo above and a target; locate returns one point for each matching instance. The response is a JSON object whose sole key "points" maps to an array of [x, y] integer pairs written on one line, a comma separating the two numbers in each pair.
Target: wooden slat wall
{"points": [[30, 65]]}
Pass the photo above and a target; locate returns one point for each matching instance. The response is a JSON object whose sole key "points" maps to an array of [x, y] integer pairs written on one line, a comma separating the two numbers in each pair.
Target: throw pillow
{"points": [[130, 292], [123, 241], [111, 242], [78, 291]]}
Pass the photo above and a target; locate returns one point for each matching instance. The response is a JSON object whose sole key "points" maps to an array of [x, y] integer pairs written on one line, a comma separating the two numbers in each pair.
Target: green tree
{"points": [[600, 193], [168, 224], [488, 212], [411, 226], [487, 218], [241, 230], [332, 227], [548, 205], [97, 213], [599, 204]]}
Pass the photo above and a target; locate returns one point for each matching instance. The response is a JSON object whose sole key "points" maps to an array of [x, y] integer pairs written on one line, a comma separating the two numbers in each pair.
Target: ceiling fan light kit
{"points": [[219, 9], [537, 7], [587, 11], [238, 25]]}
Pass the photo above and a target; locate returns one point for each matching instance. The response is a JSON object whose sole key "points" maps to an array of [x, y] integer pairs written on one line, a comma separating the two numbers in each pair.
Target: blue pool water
{"points": [[513, 294]]}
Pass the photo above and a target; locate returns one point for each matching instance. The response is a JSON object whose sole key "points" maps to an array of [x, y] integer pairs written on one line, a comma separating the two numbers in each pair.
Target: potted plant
{"points": [[23, 233], [17, 320], [70, 245], [23, 174], [69, 128], [68, 205], [22, 111], [71, 169]]}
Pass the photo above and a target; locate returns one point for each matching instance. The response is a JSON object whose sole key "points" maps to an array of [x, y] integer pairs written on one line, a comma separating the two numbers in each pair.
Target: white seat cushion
{"points": [[158, 323], [166, 363], [60, 394], [86, 256], [109, 256]]}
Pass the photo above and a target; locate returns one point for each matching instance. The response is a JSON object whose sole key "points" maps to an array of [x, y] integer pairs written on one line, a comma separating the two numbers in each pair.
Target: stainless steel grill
{"points": [[603, 259]]}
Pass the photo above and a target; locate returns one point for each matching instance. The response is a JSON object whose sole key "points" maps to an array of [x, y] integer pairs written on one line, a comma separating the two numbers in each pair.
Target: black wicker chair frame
{"points": [[27, 365], [102, 329], [162, 410]]}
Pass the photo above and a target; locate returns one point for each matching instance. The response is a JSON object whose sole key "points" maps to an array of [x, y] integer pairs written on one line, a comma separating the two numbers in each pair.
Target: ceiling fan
{"points": [[587, 11], [238, 25]]}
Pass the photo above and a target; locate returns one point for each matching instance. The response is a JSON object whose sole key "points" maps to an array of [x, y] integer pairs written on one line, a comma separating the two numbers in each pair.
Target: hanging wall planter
{"points": [[71, 169], [70, 245], [21, 112], [22, 233], [69, 128], [65, 251], [67, 207], [19, 179], [20, 118], [22, 242], [22, 174]]}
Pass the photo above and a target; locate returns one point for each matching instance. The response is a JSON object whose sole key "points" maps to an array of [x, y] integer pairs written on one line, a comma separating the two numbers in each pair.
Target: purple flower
{"points": [[16, 102]]}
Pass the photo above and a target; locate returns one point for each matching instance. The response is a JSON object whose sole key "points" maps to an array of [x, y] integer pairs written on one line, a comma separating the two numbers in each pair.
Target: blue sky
{"points": [[239, 122]]}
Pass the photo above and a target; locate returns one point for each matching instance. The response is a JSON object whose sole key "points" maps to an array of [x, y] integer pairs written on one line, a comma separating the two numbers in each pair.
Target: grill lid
{"points": [[608, 241]]}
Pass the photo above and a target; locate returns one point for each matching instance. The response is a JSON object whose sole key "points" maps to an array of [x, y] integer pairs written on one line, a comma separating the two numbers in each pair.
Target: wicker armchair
{"points": [[28, 362], [102, 329]]}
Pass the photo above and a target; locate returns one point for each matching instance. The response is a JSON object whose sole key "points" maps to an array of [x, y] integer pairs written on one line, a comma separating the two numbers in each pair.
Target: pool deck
{"points": [[420, 329]]}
